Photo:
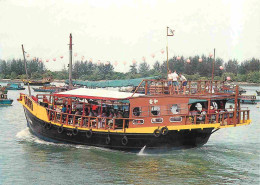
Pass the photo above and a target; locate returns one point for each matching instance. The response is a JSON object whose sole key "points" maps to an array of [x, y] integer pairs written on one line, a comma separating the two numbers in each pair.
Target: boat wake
{"points": [[25, 135], [142, 151]]}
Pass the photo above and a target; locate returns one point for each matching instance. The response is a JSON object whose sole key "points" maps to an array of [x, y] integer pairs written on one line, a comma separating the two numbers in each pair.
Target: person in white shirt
{"points": [[184, 82], [175, 82]]}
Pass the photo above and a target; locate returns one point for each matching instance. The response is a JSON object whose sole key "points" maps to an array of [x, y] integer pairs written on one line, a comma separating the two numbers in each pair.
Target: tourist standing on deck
{"points": [[175, 82], [184, 82]]}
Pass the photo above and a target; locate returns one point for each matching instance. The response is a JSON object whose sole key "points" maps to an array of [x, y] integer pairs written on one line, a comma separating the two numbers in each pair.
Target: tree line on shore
{"points": [[245, 71]]}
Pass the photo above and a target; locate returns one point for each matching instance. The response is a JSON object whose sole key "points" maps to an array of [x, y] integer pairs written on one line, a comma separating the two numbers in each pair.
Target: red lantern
{"points": [[54, 59], [134, 61], [188, 60], [228, 78], [178, 58], [40, 60], [75, 54], [210, 55], [221, 67], [153, 55], [47, 60], [162, 51], [200, 59], [61, 57]]}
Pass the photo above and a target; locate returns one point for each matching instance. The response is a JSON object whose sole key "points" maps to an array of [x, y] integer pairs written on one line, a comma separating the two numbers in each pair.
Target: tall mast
{"points": [[212, 76], [167, 35], [70, 63], [25, 66]]}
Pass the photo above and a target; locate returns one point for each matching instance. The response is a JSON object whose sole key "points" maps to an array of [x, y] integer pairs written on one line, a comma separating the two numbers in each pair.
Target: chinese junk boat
{"points": [[38, 82], [156, 119]]}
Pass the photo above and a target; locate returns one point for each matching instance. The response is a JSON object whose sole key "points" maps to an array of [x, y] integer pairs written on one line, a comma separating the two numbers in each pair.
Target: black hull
{"points": [[173, 139]]}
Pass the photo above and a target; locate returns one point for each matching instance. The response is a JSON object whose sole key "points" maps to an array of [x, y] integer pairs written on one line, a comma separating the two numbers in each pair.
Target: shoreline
{"points": [[63, 81]]}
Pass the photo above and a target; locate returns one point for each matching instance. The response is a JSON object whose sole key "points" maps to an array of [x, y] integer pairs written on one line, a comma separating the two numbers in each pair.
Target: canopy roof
{"points": [[97, 94], [111, 83]]}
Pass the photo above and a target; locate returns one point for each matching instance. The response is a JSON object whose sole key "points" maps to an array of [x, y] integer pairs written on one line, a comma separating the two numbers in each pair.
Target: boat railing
{"points": [[90, 122], [106, 123], [159, 87]]}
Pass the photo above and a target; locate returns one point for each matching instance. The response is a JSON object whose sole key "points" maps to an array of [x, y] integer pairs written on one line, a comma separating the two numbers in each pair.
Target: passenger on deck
{"points": [[169, 78], [184, 82], [77, 112], [64, 109], [175, 82]]}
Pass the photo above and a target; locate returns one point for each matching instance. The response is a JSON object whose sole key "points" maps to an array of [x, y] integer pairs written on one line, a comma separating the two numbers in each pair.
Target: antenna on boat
{"points": [[25, 66], [212, 76], [171, 34], [70, 63]]}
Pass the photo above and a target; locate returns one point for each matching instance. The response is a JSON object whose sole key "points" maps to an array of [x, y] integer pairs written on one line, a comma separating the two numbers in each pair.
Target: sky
{"points": [[120, 31]]}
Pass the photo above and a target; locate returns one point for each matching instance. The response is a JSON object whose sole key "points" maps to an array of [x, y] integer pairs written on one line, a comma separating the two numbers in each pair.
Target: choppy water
{"points": [[232, 156]]}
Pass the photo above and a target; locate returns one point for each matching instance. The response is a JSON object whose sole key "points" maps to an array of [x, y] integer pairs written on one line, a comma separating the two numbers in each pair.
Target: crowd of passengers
{"points": [[201, 115], [95, 111]]}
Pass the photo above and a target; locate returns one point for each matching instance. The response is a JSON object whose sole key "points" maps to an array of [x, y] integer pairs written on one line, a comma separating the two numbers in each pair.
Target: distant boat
{"points": [[4, 100], [14, 86], [247, 99], [38, 82], [50, 88]]}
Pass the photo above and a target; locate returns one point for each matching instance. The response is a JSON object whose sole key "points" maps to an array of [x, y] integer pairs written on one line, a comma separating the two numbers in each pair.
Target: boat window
{"points": [[157, 120], [155, 110], [176, 119], [175, 109], [137, 111], [138, 121]]}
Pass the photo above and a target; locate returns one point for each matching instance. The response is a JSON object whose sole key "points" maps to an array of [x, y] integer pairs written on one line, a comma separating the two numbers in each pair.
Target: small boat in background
{"points": [[51, 88], [257, 92], [247, 99], [14, 86], [38, 82], [4, 100]]}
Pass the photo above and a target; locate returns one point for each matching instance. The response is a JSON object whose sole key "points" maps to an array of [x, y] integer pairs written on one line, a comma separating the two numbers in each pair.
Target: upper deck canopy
{"points": [[97, 94]]}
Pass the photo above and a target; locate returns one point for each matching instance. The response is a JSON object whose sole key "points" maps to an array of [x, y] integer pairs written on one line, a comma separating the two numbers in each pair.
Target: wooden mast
{"points": [[70, 63], [212, 76], [25, 66]]}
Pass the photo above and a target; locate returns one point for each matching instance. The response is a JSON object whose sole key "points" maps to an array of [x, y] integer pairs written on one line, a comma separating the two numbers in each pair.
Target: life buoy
{"points": [[108, 140], [48, 126], [124, 141], [89, 133], [157, 132], [75, 131], [164, 131], [60, 129]]}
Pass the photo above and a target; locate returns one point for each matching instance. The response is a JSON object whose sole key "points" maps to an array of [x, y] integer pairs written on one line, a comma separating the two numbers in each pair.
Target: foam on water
{"points": [[142, 151]]}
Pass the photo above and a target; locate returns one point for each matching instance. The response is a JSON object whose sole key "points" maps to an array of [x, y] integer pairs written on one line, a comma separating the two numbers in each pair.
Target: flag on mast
{"points": [[170, 32]]}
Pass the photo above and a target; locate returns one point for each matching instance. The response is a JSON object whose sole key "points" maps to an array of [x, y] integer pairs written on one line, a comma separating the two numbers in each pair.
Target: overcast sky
{"points": [[123, 30]]}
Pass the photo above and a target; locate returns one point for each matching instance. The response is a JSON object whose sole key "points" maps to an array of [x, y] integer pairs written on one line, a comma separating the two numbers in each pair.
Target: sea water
{"points": [[231, 156]]}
